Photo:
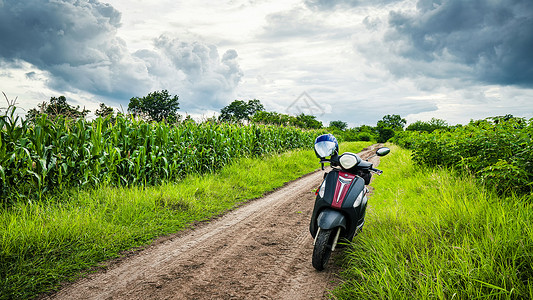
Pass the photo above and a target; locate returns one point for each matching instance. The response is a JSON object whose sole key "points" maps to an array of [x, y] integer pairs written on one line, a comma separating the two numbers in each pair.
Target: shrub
{"points": [[497, 150]]}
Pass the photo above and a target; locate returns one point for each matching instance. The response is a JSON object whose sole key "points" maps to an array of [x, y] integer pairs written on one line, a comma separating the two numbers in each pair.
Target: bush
{"points": [[364, 136], [499, 151]]}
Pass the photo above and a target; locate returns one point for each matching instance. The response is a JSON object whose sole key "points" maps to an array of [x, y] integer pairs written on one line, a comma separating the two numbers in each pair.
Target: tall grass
{"points": [[431, 234]]}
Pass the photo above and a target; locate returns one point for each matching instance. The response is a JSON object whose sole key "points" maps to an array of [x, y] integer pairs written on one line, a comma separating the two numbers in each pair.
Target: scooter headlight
{"points": [[322, 189], [349, 160]]}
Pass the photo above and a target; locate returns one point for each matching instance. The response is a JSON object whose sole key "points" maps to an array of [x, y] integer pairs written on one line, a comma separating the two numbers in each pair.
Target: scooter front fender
{"points": [[330, 218]]}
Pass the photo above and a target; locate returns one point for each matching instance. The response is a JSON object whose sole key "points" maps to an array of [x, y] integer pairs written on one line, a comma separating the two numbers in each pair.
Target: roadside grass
{"points": [[432, 234], [45, 243]]}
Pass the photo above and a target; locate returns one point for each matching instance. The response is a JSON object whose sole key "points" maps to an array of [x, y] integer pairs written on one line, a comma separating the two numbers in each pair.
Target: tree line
{"points": [[161, 106]]}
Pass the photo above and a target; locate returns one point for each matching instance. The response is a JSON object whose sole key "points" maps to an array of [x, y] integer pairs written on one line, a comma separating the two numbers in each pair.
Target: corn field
{"points": [[51, 156]]}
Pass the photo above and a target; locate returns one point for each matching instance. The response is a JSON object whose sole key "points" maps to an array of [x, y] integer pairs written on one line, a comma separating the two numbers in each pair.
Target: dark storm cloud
{"points": [[76, 42], [55, 32], [493, 39]]}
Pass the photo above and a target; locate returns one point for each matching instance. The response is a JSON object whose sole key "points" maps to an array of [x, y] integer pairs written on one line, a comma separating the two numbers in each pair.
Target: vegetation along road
{"points": [[259, 251]]}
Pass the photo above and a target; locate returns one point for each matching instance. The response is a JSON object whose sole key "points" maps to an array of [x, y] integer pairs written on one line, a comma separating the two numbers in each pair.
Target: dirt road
{"points": [[260, 251]]}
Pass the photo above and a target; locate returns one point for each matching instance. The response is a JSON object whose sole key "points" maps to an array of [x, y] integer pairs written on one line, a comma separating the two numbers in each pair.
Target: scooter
{"points": [[340, 205]]}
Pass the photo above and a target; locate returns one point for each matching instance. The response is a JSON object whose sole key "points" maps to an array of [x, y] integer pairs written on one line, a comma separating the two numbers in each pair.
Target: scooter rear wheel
{"points": [[322, 249]]}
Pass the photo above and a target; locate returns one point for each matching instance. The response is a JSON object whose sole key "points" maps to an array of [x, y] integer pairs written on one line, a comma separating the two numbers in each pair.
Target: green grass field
{"points": [[432, 234], [429, 233], [46, 242]]}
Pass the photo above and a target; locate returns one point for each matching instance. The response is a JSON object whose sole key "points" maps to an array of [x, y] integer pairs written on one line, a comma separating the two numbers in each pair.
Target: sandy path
{"points": [[260, 251]]}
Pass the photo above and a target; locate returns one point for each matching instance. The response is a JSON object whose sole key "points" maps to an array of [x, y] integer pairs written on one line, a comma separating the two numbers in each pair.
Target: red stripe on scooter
{"points": [[341, 189]]}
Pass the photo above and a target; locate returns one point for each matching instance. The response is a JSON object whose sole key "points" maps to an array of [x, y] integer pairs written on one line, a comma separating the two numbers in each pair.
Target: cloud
{"points": [[301, 23], [194, 70], [488, 41], [76, 43], [289, 24], [335, 4]]}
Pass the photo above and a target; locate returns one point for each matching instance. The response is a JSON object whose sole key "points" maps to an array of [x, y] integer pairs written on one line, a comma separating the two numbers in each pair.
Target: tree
{"points": [[104, 111], [388, 125], [430, 126], [272, 118], [362, 133], [58, 106], [366, 133], [366, 129], [156, 106], [307, 121], [395, 122], [254, 106], [339, 124], [384, 134], [239, 110]]}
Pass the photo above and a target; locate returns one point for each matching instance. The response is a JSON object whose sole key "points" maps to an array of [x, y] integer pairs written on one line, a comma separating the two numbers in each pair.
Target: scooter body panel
{"points": [[345, 194], [330, 218]]}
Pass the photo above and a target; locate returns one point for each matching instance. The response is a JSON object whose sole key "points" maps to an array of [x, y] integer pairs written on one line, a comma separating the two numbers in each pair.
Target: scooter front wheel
{"points": [[322, 249]]}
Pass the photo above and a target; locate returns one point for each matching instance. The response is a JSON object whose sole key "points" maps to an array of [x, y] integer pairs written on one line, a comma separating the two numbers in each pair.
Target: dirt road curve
{"points": [[260, 251]]}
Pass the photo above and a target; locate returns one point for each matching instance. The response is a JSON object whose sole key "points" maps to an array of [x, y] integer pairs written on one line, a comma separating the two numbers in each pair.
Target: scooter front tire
{"points": [[322, 249]]}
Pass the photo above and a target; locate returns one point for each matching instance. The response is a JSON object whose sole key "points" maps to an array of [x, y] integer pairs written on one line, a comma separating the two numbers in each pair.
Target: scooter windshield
{"points": [[325, 148]]}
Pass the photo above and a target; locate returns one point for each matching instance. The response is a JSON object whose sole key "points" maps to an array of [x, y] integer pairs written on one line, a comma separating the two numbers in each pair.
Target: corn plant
{"points": [[51, 155]]}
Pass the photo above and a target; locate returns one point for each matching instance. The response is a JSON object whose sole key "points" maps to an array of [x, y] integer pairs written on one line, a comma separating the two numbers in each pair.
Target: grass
{"points": [[433, 234], [48, 242]]}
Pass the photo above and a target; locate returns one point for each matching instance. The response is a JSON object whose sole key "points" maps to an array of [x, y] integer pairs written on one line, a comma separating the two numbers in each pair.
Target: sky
{"points": [[349, 60]]}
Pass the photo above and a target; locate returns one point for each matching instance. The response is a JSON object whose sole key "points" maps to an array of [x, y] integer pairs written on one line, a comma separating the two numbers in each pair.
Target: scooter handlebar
{"points": [[334, 162], [377, 171]]}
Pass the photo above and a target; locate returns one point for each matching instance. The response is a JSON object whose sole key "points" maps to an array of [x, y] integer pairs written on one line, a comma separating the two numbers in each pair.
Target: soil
{"points": [[261, 250]]}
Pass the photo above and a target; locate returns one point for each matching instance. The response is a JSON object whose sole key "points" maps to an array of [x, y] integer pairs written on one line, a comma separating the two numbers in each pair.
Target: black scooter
{"points": [[340, 204]]}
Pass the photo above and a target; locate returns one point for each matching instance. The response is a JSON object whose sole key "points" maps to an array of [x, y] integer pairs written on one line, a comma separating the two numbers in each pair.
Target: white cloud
{"points": [[193, 70]]}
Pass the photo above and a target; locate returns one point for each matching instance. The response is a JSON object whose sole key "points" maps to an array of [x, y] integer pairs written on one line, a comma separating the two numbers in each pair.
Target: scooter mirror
{"points": [[382, 151]]}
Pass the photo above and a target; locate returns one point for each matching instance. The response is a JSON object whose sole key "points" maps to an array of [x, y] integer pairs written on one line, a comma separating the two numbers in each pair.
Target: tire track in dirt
{"points": [[260, 251]]}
